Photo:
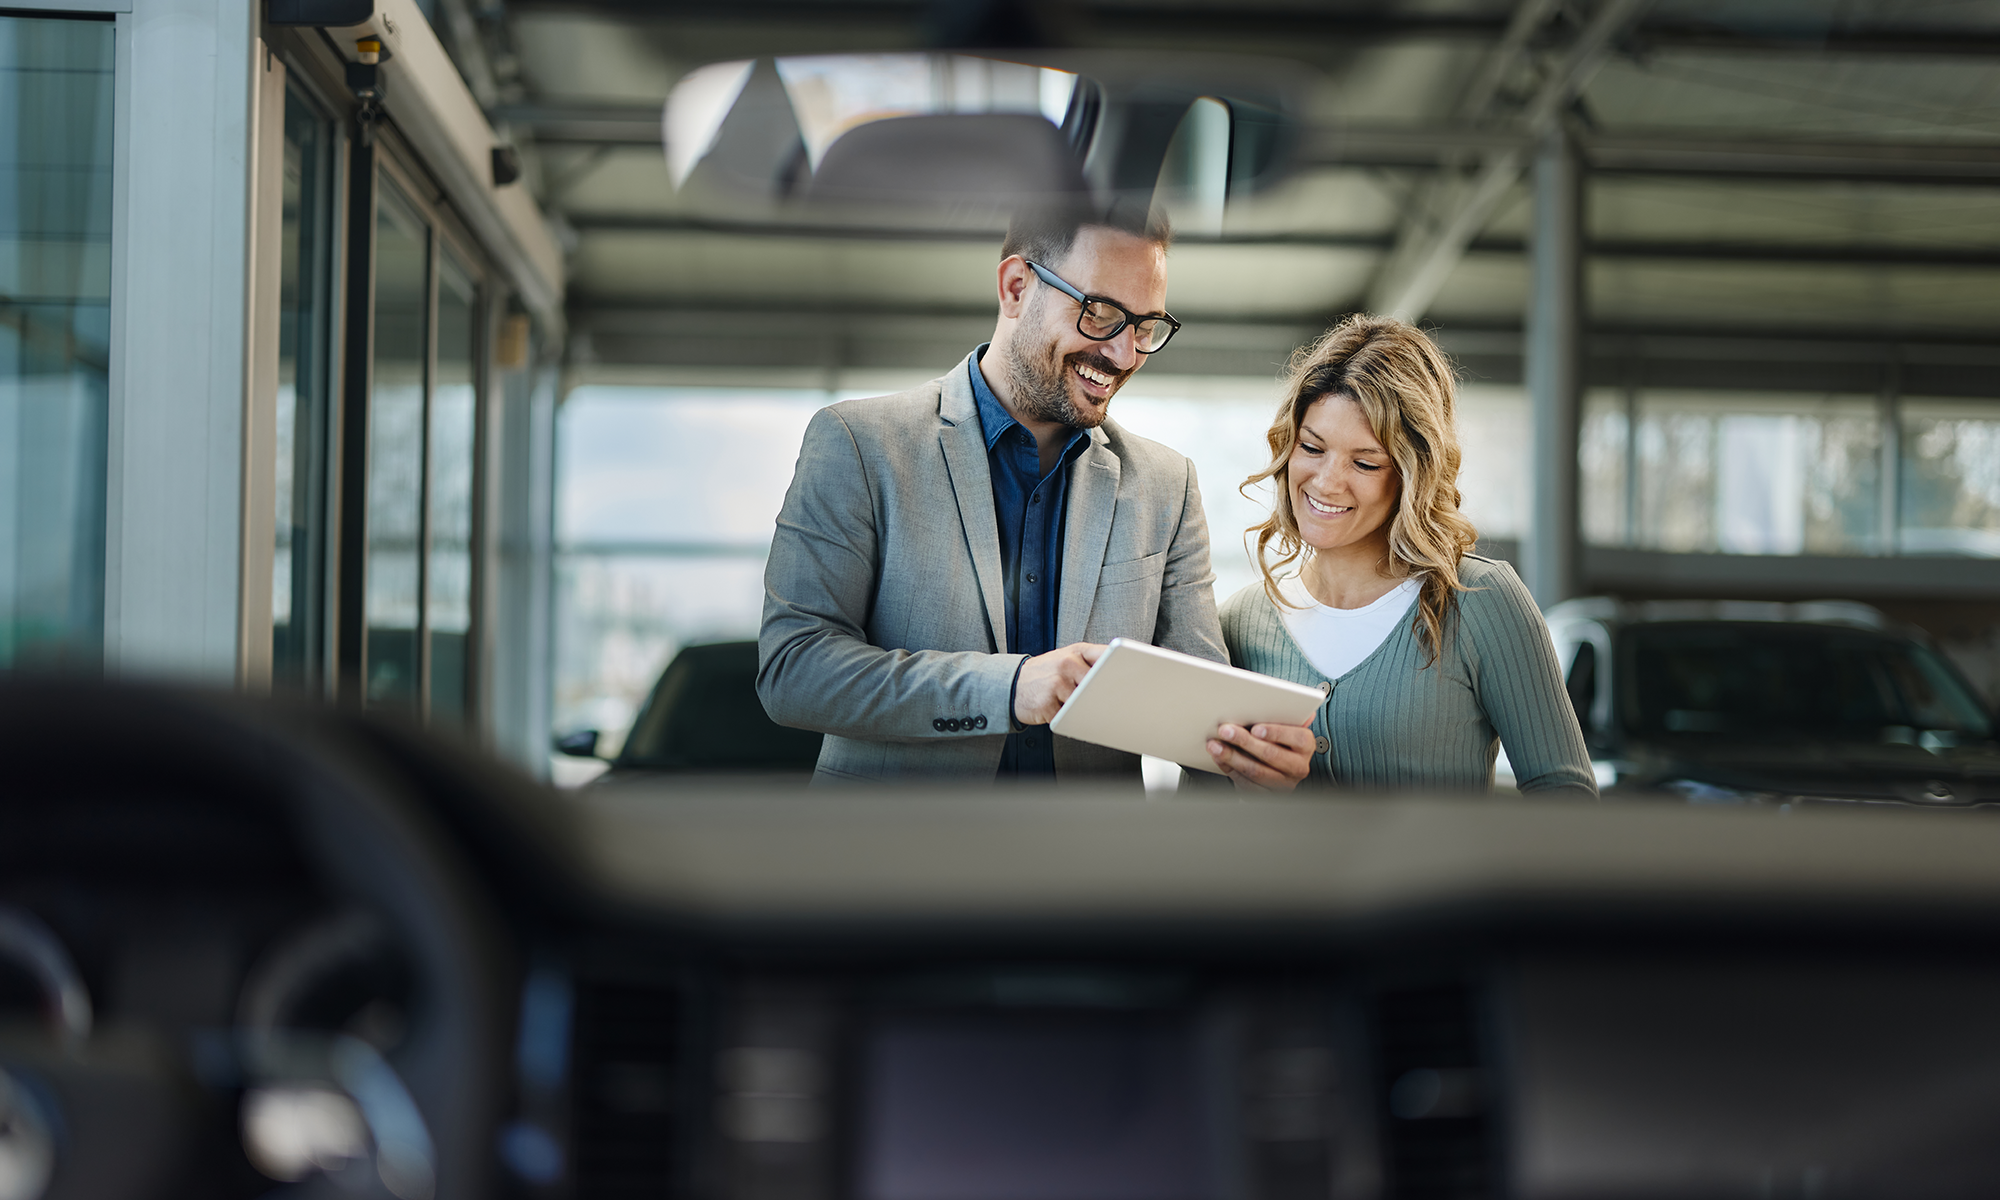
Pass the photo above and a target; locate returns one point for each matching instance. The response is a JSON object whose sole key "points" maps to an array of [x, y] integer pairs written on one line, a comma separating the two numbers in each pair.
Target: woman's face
{"points": [[1343, 483]]}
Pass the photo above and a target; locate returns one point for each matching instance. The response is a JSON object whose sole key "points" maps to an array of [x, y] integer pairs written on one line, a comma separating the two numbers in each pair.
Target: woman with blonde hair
{"points": [[1425, 651]]}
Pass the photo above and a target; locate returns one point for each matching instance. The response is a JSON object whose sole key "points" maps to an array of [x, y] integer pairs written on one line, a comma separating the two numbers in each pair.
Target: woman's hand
{"points": [[1267, 757]]}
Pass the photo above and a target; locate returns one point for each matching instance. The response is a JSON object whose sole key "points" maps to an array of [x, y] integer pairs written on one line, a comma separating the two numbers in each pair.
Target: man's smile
{"points": [[1098, 381]]}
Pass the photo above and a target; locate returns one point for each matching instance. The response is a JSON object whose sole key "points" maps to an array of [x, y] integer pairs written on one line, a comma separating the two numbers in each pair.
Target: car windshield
{"points": [[1747, 680]]}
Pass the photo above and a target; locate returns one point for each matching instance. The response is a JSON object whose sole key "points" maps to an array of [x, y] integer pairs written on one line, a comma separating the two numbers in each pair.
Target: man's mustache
{"points": [[1098, 363]]}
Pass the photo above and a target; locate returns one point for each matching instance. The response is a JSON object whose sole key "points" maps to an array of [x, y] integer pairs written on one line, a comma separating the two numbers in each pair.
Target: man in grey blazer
{"points": [[950, 560]]}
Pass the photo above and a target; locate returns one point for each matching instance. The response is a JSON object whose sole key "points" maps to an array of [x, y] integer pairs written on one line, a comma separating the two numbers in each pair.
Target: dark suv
{"points": [[704, 718], [1742, 702]]}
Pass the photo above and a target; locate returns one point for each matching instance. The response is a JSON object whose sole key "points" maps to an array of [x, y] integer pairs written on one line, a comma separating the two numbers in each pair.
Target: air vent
{"points": [[628, 1091], [1434, 1095]]}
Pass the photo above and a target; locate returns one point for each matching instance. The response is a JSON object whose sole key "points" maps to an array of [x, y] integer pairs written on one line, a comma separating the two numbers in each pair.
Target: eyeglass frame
{"points": [[1131, 319]]}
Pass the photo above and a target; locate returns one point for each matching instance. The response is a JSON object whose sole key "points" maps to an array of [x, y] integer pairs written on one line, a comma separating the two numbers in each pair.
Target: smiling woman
{"points": [[1364, 459]]}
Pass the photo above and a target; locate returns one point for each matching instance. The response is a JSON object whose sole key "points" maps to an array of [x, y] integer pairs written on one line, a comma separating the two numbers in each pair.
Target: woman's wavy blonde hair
{"points": [[1408, 392]]}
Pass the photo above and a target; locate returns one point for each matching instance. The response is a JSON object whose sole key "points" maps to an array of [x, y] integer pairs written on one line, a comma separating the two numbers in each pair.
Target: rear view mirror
{"points": [[960, 141]]}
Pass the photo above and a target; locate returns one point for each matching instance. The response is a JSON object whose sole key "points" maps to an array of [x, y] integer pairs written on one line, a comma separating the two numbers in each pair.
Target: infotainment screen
{"points": [[1033, 1105]]}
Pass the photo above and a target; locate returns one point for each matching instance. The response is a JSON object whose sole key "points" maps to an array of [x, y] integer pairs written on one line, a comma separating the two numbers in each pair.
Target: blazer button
{"points": [[1319, 745], [979, 722], [951, 724], [938, 724]]}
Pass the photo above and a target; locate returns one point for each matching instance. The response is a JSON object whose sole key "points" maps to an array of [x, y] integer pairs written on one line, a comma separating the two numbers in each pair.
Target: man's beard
{"points": [[1042, 387]]}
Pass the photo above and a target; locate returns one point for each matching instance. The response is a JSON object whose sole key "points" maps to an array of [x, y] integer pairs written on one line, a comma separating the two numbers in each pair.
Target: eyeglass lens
{"points": [[1102, 321]]}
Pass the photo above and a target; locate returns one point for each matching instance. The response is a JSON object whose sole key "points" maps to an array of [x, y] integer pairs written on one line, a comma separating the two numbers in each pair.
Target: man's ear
{"points": [[1014, 277]]}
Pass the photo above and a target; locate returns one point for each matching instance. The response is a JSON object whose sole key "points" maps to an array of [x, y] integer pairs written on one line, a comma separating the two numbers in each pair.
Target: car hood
{"points": [[1953, 776]]}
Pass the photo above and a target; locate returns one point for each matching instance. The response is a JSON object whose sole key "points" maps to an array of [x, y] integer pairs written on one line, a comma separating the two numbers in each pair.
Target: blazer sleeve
{"points": [[1519, 684], [1187, 619], [816, 667]]}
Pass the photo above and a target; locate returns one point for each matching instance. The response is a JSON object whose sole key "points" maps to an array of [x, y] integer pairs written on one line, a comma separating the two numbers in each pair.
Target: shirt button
{"points": [[1029, 741], [1031, 577], [1035, 499], [1319, 745]]}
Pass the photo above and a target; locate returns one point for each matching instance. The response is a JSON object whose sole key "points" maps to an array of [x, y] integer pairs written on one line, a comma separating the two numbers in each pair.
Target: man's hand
{"points": [[1266, 757], [1046, 680]]}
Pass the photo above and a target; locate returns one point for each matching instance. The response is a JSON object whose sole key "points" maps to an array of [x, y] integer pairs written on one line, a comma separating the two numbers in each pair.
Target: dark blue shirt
{"points": [[1030, 507]]}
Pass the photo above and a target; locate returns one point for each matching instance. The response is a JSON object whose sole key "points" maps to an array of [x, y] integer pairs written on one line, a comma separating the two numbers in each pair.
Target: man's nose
{"points": [[1123, 348]]}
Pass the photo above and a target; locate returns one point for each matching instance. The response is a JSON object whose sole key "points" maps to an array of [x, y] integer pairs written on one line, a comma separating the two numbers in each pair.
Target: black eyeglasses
{"points": [[1100, 320]]}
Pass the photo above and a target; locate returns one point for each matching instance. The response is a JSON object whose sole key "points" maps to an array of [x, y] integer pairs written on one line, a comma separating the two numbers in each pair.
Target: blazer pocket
{"points": [[1151, 566]]}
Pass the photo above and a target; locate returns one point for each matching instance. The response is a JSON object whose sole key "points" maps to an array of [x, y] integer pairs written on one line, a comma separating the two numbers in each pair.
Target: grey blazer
{"points": [[884, 609]]}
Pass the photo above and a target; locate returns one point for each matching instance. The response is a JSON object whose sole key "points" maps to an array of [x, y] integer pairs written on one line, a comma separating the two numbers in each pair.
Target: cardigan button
{"points": [[1326, 687], [1320, 744]]}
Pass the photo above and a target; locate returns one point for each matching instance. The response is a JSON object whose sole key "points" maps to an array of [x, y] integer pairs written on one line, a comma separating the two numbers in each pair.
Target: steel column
{"points": [[1554, 367]]}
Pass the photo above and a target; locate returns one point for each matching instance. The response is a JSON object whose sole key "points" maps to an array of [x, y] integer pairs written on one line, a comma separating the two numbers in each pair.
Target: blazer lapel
{"points": [[1093, 497], [964, 446]]}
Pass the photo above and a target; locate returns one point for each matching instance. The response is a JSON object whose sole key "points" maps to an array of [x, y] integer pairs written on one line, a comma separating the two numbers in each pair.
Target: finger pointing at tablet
{"points": [[1269, 756], [1046, 680]]}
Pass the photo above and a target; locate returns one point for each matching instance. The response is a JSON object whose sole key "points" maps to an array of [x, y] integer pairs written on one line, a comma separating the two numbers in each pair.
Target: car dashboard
{"points": [[317, 950], [939, 995]]}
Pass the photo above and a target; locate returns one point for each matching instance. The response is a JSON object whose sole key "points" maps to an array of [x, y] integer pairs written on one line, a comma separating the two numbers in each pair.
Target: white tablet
{"points": [[1146, 700]]}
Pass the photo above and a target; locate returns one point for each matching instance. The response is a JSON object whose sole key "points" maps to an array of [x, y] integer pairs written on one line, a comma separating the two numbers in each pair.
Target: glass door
{"points": [[298, 566], [392, 671], [409, 592], [453, 434]]}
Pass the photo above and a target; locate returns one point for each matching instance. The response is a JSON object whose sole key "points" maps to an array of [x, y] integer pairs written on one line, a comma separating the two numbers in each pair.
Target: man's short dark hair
{"points": [[1047, 233]]}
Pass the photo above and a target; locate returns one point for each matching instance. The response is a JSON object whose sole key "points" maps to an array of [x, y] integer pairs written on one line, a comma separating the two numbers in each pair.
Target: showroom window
{"points": [[666, 502], [1950, 493], [1771, 473], [55, 328]]}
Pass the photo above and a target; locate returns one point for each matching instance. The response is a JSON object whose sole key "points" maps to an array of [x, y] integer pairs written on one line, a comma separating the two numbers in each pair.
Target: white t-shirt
{"points": [[1335, 640]]}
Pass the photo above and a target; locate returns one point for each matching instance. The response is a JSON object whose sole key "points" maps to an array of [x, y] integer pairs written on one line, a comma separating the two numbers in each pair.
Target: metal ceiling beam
{"points": [[728, 335], [1288, 26], [584, 124], [1426, 252], [1914, 162], [1811, 253], [1528, 18], [1430, 146], [1653, 154]]}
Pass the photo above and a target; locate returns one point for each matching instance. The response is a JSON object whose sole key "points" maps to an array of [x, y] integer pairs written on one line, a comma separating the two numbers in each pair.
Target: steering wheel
{"points": [[112, 788]]}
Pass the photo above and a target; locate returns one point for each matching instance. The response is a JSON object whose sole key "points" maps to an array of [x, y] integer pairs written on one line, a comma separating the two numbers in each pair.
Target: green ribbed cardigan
{"points": [[1392, 723]]}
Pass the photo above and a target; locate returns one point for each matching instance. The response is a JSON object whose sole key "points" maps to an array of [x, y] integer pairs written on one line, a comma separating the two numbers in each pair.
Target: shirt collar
{"points": [[994, 419]]}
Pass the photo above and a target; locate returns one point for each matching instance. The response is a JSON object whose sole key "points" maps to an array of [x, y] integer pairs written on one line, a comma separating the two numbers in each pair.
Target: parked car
{"points": [[1740, 702], [703, 717]]}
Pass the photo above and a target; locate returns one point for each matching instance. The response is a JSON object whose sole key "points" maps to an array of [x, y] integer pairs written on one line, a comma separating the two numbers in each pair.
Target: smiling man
{"points": [[952, 559]]}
